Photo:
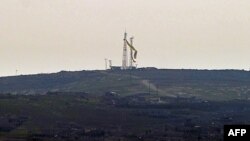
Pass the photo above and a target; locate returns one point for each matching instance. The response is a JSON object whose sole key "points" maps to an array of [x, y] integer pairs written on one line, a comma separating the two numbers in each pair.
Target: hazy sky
{"points": [[52, 35]]}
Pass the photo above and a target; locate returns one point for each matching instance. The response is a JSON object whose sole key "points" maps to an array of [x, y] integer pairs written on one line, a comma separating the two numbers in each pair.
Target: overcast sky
{"points": [[38, 36]]}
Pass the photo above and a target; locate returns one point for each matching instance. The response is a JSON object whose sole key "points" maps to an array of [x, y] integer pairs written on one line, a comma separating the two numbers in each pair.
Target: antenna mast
{"points": [[106, 63], [110, 64], [124, 57]]}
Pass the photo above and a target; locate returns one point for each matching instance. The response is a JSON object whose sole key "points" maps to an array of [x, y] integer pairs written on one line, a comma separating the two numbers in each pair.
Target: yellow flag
{"points": [[135, 51]]}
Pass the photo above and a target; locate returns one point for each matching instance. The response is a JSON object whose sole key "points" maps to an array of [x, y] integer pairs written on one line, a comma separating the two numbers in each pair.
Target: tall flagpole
{"points": [[124, 57]]}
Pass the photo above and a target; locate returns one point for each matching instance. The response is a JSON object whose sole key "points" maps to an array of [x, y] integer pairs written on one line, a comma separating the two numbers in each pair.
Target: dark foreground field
{"points": [[80, 116]]}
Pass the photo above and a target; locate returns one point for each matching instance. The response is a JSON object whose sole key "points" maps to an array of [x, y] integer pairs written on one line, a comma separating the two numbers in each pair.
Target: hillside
{"points": [[95, 82], [205, 84]]}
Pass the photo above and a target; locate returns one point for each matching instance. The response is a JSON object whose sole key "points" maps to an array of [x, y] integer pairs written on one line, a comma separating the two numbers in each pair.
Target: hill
{"points": [[204, 84], [95, 82], [144, 104]]}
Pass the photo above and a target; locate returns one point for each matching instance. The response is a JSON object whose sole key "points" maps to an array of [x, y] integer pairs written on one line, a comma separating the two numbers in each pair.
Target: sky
{"points": [[42, 36]]}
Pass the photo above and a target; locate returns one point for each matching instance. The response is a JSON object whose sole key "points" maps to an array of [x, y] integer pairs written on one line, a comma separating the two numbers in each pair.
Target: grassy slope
{"points": [[95, 82], [205, 84]]}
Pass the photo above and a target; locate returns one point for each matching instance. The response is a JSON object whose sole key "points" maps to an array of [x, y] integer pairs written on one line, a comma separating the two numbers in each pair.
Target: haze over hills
{"points": [[204, 84]]}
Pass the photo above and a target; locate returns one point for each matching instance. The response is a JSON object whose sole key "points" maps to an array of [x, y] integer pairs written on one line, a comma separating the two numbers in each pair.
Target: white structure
{"points": [[106, 63], [128, 61], [124, 56], [110, 64]]}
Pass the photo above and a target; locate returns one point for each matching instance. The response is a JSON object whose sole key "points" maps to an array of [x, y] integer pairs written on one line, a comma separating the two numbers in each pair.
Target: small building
{"points": [[115, 67]]}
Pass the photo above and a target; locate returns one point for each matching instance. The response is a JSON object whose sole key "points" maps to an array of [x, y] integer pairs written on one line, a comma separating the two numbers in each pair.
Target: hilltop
{"points": [[205, 84]]}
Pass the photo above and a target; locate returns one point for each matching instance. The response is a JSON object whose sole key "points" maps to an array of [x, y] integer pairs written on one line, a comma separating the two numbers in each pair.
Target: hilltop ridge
{"points": [[206, 84]]}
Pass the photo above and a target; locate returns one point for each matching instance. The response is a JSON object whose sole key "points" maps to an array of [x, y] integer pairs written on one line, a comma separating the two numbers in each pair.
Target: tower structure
{"points": [[106, 63], [110, 64], [124, 56]]}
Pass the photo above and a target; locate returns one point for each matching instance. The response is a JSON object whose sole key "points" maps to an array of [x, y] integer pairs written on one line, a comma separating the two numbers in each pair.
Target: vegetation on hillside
{"points": [[205, 84]]}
